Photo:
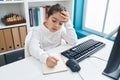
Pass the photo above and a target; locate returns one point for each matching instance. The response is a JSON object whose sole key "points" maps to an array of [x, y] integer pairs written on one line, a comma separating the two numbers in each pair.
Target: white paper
{"points": [[60, 67]]}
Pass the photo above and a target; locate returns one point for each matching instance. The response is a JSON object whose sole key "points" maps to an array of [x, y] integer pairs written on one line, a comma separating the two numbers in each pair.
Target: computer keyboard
{"points": [[83, 50]]}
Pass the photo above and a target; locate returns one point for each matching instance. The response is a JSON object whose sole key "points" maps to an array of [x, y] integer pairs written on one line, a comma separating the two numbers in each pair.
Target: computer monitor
{"points": [[112, 68]]}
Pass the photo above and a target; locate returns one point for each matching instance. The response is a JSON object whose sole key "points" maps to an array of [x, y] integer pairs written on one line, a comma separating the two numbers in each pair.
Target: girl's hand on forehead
{"points": [[65, 16]]}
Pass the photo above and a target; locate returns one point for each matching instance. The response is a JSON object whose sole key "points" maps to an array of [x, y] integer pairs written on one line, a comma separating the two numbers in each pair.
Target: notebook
{"points": [[60, 67]]}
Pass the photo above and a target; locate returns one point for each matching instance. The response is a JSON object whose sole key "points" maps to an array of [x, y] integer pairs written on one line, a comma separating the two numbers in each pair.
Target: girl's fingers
{"points": [[55, 58], [54, 61], [65, 13]]}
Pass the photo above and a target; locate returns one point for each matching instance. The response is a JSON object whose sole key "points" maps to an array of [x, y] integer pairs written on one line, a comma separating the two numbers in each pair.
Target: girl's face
{"points": [[54, 22]]}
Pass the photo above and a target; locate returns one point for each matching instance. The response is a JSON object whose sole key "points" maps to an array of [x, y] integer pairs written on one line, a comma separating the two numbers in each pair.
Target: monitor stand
{"points": [[115, 74]]}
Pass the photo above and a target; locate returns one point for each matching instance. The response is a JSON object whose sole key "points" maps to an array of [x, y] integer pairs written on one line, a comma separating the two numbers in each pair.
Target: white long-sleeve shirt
{"points": [[42, 40]]}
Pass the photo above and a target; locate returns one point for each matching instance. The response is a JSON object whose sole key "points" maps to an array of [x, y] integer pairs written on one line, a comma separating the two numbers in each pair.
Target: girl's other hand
{"points": [[65, 16]]}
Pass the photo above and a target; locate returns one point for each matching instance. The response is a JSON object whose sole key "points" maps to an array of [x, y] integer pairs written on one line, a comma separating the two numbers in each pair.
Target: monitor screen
{"points": [[112, 68]]}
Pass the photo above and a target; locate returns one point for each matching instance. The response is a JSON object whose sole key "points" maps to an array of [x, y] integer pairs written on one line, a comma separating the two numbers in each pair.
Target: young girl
{"points": [[56, 27]]}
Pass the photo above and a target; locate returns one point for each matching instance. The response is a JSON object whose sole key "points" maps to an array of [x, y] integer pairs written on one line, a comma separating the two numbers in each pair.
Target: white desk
{"points": [[30, 68]]}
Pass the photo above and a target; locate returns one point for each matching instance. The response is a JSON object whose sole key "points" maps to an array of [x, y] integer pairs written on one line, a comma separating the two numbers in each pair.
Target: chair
{"points": [[27, 40]]}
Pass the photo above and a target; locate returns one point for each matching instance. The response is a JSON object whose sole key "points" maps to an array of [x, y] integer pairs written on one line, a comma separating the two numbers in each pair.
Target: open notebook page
{"points": [[60, 67]]}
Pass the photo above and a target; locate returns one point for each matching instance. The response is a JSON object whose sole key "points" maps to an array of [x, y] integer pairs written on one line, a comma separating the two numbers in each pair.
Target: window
{"points": [[101, 16]]}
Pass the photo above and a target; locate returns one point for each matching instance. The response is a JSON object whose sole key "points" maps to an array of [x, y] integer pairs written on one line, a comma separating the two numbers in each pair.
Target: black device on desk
{"points": [[83, 50], [113, 66], [73, 65]]}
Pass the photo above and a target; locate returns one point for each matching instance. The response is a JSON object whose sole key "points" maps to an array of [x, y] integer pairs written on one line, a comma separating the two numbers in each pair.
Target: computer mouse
{"points": [[73, 65]]}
